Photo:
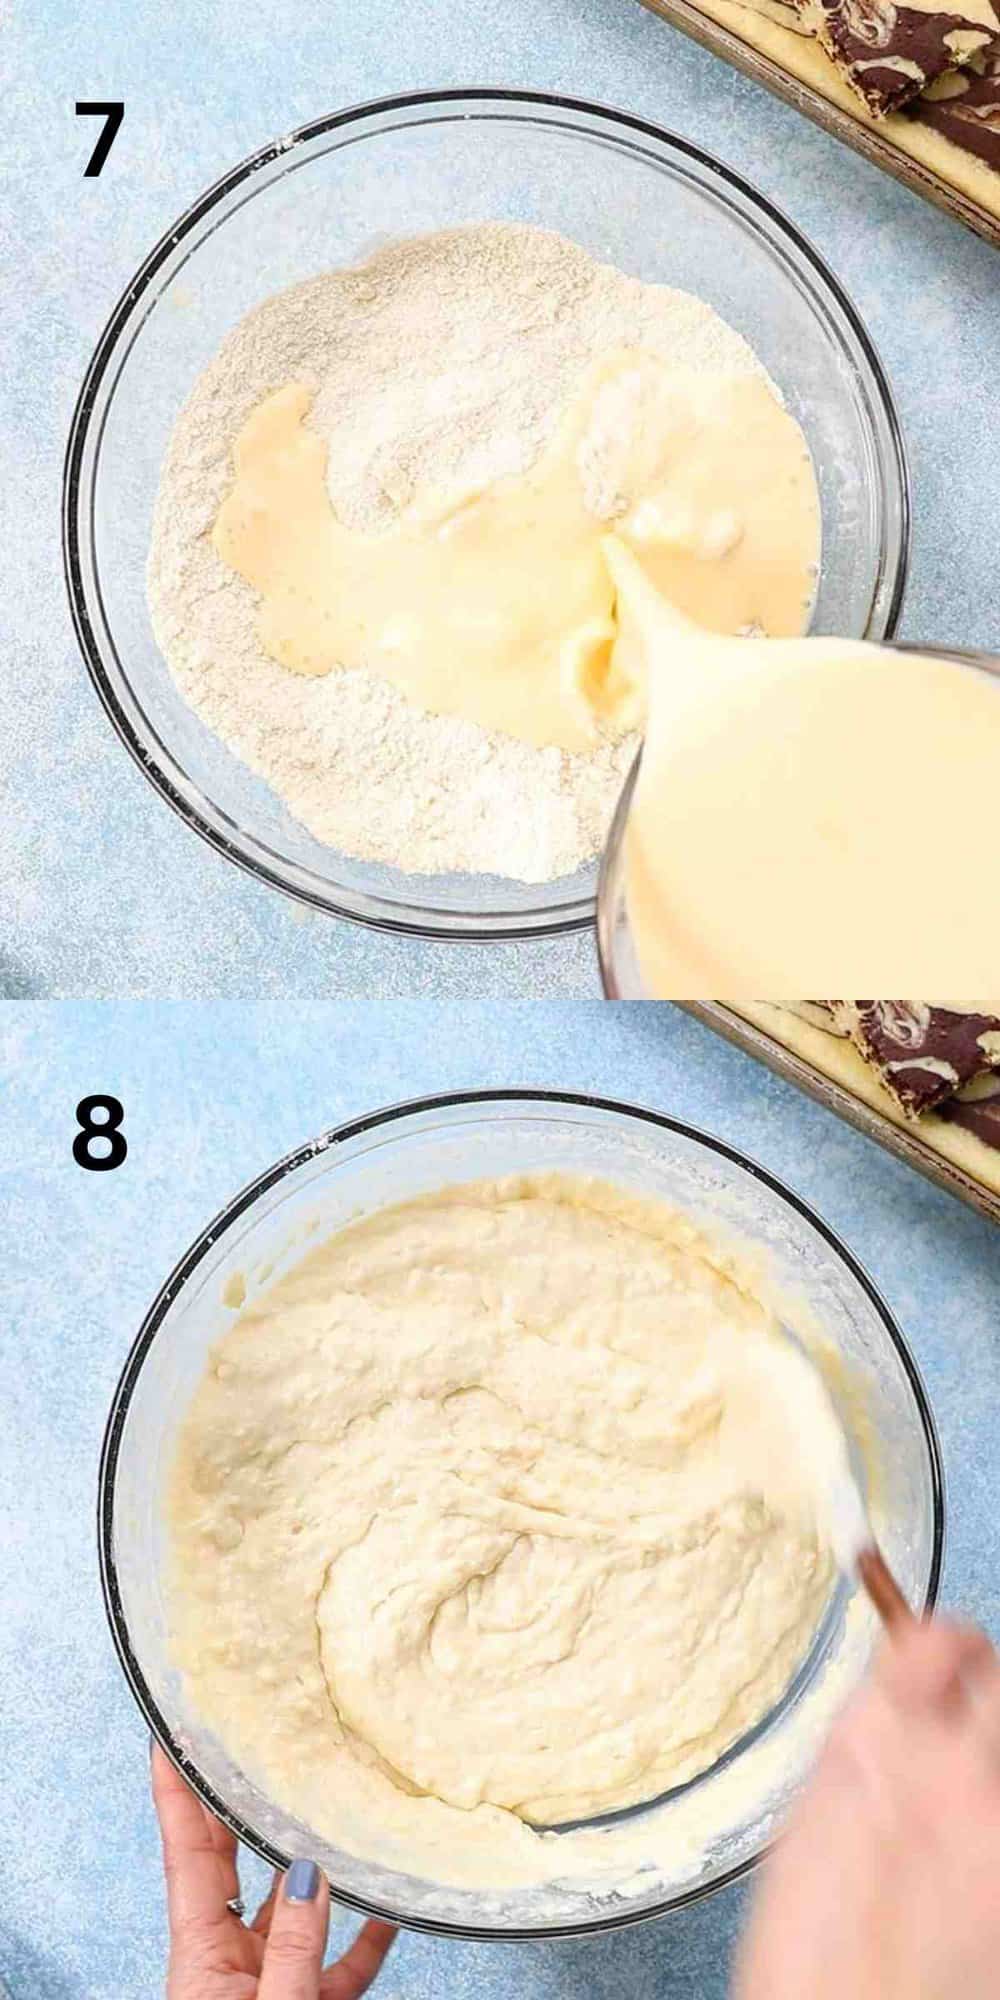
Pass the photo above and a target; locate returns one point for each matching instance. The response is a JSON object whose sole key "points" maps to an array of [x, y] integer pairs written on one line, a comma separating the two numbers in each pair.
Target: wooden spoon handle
{"points": [[883, 1589]]}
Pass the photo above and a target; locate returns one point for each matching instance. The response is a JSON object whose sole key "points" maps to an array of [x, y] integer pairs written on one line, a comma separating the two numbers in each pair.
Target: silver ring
{"points": [[237, 1906]]}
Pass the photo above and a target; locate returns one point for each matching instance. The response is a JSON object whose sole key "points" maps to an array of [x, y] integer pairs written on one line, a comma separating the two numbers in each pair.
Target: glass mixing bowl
{"points": [[397, 1154], [327, 195], [621, 977]]}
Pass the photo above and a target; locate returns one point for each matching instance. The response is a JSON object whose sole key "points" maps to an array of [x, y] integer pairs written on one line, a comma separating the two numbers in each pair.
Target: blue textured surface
{"points": [[112, 893], [213, 1095]]}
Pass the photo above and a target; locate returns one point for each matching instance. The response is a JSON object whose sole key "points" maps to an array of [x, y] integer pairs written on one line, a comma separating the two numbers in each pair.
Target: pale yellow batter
{"points": [[811, 815], [505, 1507], [496, 605]]}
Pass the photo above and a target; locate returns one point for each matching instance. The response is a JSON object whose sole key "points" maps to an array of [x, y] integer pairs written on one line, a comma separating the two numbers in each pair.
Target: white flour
{"points": [[450, 359]]}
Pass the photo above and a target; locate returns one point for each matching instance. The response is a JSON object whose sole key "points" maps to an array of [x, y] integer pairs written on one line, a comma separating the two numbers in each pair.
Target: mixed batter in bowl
{"points": [[504, 1509], [464, 1516]]}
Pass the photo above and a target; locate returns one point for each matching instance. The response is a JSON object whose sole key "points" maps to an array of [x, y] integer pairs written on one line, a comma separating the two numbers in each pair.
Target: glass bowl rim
{"points": [[388, 1116], [987, 663], [239, 845]]}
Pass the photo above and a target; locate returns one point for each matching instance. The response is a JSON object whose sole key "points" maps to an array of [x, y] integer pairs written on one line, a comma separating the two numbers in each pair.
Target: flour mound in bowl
{"points": [[497, 1512], [444, 362]]}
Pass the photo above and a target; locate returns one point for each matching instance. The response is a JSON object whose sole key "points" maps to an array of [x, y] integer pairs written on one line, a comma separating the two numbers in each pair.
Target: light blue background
{"points": [[108, 891], [212, 1096]]}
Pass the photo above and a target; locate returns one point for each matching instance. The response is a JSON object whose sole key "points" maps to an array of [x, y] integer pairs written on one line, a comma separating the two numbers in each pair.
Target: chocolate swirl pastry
{"points": [[940, 69], [924, 1054], [965, 107], [977, 1109], [788, 14], [889, 54], [928, 1058]]}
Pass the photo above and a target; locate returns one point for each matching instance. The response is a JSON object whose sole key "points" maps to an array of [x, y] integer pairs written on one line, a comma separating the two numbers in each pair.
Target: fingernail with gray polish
{"points": [[302, 1882]]}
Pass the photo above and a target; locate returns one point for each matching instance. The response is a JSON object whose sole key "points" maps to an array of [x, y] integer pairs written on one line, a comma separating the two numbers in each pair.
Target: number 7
{"points": [[112, 115]]}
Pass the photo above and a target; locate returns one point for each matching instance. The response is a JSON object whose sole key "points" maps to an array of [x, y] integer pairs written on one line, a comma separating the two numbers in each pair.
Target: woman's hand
{"points": [[886, 1885], [213, 1954]]}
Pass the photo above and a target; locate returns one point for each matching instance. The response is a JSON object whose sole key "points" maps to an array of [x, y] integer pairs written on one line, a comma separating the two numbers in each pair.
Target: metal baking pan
{"points": [[864, 138], [907, 1145]]}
